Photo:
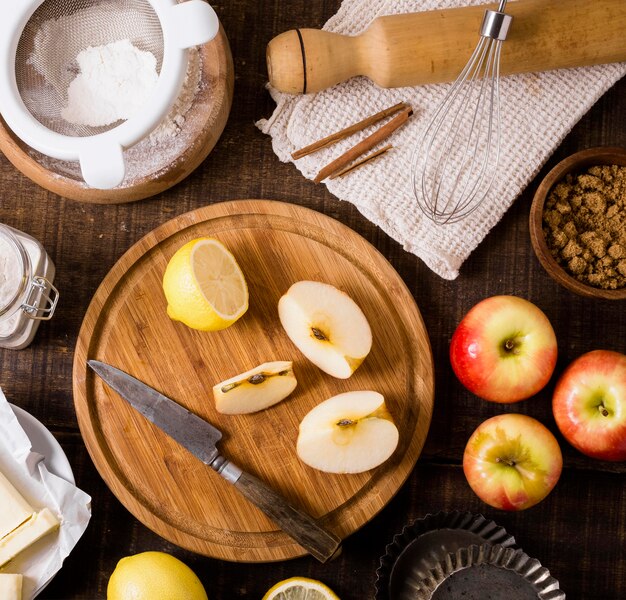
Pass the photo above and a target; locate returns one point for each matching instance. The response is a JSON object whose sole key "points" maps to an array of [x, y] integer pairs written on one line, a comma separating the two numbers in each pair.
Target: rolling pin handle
{"points": [[304, 61]]}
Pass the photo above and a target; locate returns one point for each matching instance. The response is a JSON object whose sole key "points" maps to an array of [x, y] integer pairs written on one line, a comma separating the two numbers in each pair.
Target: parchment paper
{"points": [[41, 488]]}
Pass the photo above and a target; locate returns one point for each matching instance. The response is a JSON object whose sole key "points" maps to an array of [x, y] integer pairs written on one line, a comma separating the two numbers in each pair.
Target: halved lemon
{"points": [[204, 286], [300, 588]]}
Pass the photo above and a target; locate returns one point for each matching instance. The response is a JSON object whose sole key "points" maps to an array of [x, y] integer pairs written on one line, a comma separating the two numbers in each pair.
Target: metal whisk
{"points": [[456, 162]]}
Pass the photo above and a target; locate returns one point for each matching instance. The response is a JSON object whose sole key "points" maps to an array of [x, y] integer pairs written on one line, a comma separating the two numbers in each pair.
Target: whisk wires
{"points": [[455, 164]]}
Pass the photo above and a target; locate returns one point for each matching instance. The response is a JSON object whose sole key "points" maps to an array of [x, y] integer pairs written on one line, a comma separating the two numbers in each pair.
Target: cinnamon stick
{"points": [[359, 163], [344, 133], [363, 146]]}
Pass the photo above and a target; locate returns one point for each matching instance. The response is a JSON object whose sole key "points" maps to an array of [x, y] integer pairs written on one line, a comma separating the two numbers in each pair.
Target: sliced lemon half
{"points": [[204, 286], [300, 588]]}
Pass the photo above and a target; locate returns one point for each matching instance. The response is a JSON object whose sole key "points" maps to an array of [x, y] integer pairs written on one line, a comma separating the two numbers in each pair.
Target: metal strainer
{"points": [[36, 69]]}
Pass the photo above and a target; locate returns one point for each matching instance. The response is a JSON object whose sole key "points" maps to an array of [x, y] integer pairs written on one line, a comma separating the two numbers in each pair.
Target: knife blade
{"points": [[200, 438]]}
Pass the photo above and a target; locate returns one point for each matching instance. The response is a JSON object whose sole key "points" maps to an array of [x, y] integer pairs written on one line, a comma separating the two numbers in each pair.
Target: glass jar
{"points": [[27, 295]]}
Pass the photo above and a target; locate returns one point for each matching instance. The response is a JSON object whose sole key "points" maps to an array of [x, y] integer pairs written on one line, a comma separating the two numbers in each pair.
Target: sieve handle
{"points": [[192, 23], [101, 163]]}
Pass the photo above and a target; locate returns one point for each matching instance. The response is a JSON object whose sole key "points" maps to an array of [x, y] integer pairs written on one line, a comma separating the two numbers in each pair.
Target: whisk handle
{"points": [[433, 46]]}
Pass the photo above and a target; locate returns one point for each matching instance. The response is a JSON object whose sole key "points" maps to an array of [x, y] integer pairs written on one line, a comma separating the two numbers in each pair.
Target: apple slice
{"points": [[512, 461], [327, 326], [348, 433], [256, 389]]}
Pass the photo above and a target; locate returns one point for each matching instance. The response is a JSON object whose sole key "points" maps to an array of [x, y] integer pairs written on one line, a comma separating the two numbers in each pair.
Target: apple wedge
{"points": [[348, 433], [327, 326], [256, 389]]}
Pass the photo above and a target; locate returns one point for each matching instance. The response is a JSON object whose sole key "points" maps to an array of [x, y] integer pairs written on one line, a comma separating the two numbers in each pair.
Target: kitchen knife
{"points": [[200, 438]]}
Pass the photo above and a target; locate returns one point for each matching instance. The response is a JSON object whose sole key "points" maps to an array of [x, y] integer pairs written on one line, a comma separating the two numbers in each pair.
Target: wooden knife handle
{"points": [[303, 528], [433, 46]]}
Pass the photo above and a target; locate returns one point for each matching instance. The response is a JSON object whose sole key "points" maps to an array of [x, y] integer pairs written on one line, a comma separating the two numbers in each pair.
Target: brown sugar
{"points": [[584, 223]]}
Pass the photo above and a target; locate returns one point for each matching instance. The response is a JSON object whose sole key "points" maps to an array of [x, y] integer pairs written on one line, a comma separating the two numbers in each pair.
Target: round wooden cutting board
{"points": [[161, 483]]}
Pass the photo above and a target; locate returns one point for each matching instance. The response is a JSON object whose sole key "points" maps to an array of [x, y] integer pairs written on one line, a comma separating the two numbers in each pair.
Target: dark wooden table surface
{"points": [[578, 532]]}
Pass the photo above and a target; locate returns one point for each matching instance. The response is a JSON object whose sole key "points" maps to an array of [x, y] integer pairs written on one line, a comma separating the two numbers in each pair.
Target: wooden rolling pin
{"points": [[433, 46]]}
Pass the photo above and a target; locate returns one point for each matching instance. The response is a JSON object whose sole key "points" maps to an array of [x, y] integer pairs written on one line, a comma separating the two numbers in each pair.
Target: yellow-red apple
{"points": [[589, 404], [504, 349], [512, 461]]}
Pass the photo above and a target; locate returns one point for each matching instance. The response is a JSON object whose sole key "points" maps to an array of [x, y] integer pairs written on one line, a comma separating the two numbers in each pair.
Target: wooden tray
{"points": [[162, 484]]}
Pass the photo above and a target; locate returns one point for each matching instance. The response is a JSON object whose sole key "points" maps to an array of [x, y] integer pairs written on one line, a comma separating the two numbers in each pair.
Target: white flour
{"points": [[171, 126], [10, 272], [10, 279], [58, 42], [115, 82], [16, 328]]}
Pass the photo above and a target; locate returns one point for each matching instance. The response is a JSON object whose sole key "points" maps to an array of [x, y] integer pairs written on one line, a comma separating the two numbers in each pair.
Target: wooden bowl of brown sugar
{"points": [[578, 223]]}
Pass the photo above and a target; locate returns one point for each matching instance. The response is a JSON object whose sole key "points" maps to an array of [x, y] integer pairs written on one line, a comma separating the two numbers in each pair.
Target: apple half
{"points": [[589, 404], [348, 433], [327, 326], [512, 461], [504, 349], [256, 389]]}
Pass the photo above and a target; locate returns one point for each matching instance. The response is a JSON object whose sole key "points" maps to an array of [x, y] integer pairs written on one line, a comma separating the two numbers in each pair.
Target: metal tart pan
{"points": [[488, 572], [424, 543]]}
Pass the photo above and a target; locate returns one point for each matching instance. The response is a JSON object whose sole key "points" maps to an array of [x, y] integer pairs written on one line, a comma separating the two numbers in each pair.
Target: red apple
{"points": [[589, 404], [504, 350], [512, 461]]}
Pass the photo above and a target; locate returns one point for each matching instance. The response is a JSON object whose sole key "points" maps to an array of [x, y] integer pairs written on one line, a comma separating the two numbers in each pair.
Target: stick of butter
{"points": [[26, 534], [15, 510], [11, 586]]}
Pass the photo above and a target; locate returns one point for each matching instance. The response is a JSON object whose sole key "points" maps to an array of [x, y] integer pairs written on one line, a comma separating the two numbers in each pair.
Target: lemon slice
{"points": [[300, 588], [204, 286]]}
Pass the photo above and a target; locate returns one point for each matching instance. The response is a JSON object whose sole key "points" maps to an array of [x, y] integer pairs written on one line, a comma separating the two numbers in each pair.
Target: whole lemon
{"points": [[154, 576]]}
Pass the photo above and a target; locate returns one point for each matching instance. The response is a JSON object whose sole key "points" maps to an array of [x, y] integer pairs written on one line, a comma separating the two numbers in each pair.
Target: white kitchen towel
{"points": [[538, 110]]}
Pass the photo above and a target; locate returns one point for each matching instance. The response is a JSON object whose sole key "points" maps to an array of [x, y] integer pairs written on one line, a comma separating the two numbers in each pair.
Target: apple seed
{"points": [[256, 379], [319, 335], [346, 422]]}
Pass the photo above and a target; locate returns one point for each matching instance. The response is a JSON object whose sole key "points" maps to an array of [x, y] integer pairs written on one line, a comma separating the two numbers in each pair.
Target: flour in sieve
{"points": [[54, 38], [114, 83], [156, 153], [59, 41]]}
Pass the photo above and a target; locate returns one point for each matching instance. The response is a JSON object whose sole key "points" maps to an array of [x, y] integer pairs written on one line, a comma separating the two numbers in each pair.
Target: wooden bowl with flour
{"points": [[161, 160]]}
